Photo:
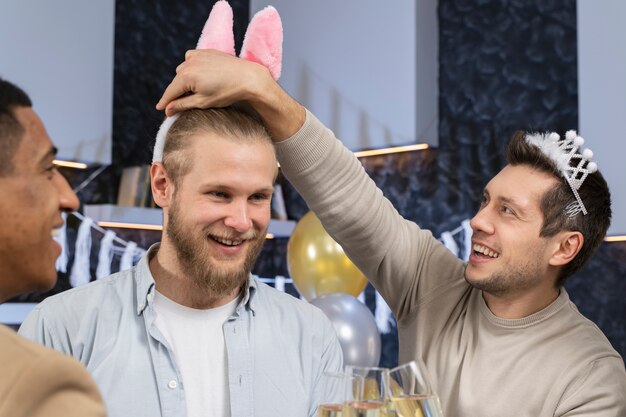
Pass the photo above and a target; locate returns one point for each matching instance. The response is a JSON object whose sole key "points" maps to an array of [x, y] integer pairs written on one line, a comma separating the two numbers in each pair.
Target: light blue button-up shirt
{"points": [[277, 347]]}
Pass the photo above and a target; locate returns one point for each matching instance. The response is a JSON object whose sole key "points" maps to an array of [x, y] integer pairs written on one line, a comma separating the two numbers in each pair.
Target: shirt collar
{"points": [[249, 296], [144, 282]]}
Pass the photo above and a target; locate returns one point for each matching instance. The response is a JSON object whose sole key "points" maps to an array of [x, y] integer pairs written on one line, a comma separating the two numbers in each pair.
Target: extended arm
{"points": [[392, 252]]}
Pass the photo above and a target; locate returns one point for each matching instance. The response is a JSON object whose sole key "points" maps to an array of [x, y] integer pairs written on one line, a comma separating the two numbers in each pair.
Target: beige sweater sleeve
{"points": [[600, 391], [395, 254], [40, 382]]}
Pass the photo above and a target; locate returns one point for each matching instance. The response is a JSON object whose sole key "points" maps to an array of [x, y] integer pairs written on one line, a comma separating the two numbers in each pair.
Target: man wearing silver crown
{"points": [[499, 334]]}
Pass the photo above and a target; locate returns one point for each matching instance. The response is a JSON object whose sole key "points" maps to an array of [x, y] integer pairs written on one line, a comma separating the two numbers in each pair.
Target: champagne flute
{"points": [[337, 389], [411, 392], [371, 398]]}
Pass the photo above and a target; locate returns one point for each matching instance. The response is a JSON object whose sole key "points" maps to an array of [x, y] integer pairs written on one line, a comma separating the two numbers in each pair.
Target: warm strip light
{"points": [[615, 238], [395, 149], [386, 151], [69, 164], [117, 225]]}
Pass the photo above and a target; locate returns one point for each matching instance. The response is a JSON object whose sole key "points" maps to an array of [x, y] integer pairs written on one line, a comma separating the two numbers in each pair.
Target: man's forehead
{"points": [[35, 142], [207, 134], [218, 153], [520, 183], [204, 143]]}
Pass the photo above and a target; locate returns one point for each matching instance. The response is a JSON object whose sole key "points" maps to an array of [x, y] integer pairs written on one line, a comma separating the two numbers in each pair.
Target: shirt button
{"points": [[172, 384]]}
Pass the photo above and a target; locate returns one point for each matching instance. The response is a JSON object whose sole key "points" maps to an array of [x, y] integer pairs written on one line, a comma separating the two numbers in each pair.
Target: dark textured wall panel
{"points": [[503, 66], [151, 38]]}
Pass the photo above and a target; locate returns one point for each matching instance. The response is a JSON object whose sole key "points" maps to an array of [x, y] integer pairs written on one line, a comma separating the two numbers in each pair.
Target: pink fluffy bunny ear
{"points": [[216, 34], [218, 29], [263, 42]]}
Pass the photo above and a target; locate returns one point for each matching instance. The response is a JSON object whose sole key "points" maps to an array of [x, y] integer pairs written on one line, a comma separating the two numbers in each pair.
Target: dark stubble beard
{"points": [[510, 280], [207, 276]]}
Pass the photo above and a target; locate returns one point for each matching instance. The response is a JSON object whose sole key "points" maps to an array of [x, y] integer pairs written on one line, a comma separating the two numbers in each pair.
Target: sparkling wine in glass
{"points": [[337, 389], [411, 392], [368, 408], [371, 398]]}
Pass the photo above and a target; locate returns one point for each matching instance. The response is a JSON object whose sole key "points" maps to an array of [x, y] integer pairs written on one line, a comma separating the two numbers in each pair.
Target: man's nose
{"points": [[481, 222], [68, 201], [238, 217]]}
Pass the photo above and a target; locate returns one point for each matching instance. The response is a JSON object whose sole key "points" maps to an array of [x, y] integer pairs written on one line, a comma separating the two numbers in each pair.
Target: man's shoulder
{"points": [[584, 335], [293, 327], [268, 297], [576, 350], [104, 300], [108, 289]]}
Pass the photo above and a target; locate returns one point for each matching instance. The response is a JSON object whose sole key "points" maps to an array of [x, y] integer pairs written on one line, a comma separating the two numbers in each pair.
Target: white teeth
{"points": [[228, 242], [56, 233], [485, 251]]}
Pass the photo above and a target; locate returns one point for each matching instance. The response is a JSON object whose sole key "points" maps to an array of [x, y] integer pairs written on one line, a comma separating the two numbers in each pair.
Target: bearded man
{"points": [[189, 331]]}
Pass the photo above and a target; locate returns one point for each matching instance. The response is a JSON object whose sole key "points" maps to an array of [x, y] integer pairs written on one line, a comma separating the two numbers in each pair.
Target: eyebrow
{"points": [[508, 200], [521, 211]]}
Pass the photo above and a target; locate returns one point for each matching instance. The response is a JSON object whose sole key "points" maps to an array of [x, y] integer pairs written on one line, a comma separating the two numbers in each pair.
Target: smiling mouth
{"points": [[226, 241], [485, 251], [56, 232]]}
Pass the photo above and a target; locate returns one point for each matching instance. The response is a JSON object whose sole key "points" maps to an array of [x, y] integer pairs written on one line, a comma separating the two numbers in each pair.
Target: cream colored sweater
{"points": [[552, 363]]}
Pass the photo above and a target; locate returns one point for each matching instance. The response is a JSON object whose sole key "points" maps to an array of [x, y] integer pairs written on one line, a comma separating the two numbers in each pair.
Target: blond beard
{"points": [[206, 275]]}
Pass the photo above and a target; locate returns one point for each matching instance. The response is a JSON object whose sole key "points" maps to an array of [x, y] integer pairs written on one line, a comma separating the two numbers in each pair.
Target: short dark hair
{"points": [[594, 194], [11, 131], [229, 122]]}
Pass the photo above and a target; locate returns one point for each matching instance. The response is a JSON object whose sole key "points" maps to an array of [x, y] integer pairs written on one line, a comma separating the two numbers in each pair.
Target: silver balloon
{"points": [[355, 326]]}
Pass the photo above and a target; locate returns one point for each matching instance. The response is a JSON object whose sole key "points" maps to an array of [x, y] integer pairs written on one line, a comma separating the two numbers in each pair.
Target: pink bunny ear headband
{"points": [[263, 44]]}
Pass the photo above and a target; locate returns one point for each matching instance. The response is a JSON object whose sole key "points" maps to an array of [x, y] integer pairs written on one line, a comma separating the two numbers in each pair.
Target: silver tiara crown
{"points": [[574, 165]]}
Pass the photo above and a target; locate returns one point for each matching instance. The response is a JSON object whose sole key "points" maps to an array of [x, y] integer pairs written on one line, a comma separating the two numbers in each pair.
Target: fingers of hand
{"points": [[192, 52], [178, 87], [195, 101]]}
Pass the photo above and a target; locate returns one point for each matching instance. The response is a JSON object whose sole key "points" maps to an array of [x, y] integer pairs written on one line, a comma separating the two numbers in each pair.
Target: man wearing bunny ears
{"points": [[498, 335], [189, 331]]}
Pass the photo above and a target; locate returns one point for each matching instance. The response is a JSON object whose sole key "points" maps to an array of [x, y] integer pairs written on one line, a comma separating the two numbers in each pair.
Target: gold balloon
{"points": [[317, 264]]}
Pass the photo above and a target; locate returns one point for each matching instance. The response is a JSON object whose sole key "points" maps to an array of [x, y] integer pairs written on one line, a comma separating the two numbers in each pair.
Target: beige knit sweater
{"points": [[552, 363]]}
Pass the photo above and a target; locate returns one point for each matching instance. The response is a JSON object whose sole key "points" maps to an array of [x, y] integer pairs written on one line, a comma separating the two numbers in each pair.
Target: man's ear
{"points": [[568, 244], [162, 186]]}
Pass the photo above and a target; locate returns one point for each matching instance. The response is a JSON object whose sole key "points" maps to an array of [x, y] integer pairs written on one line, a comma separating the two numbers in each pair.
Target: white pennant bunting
{"points": [[61, 263], [105, 256], [128, 256], [80, 270]]}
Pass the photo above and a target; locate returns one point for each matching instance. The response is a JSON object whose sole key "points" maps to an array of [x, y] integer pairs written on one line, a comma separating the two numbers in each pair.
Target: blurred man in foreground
{"points": [[36, 381]]}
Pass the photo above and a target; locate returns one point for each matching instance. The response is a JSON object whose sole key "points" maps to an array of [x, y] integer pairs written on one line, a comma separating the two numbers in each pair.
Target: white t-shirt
{"points": [[197, 340]]}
